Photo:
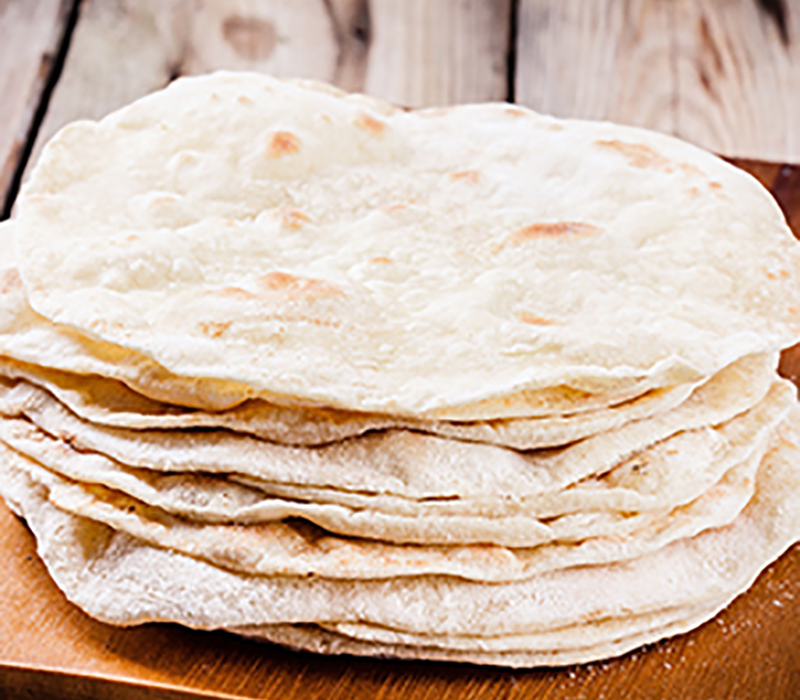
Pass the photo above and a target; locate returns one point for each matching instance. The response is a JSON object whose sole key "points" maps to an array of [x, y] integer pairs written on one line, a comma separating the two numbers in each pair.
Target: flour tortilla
{"points": [[323, 247], [616, 632], [399, 462], [56, 353], [109, 402], [673, 472], [575, 637], [322, 641], [670, 472], [140, 507], [118, 579]]}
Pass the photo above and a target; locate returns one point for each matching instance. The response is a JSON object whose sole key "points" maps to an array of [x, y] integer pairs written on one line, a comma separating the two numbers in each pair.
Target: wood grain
{"points": [[599, 60], [439, 53], [30, 35], [724, 74]]}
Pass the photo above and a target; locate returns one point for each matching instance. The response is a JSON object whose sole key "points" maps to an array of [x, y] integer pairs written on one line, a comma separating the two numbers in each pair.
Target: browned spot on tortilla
{"points": [[214, 328], [10, 281], [381, 260], [793, 310], [298, 287], [133, 237], [785, 442], [214, 96], [556, 229], [368, 123], [776, 274], [690, 169], [694, 191], [234, 292], [244, 100], [713, 494], [164, 199], [715, 185], [250, 37], [637, 154], [468, 175], [533, 319], [782, 443], [291, 218], [283, 143], [515, 112], [554, 127]]}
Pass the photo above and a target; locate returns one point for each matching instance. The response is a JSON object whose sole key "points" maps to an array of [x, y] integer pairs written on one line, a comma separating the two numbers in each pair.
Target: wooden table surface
{"points": [[48, 648]]}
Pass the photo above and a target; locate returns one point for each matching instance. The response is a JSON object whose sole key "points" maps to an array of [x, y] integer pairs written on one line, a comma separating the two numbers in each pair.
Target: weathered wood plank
{"points": [[739, 78], [724, 74], [30, 34], [599, 60], [435, 53], [412, 52]]}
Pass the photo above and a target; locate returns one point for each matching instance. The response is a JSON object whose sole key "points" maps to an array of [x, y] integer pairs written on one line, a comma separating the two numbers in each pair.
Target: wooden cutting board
{"points": [[48, 648]]}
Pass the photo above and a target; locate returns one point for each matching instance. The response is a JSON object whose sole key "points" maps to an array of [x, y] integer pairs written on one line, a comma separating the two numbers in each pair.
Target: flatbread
{"points": [[109, 402], [56, 353], [145, 506], [404, 463], [121, 580], [322, 641], [671, 473], [322, 247]]}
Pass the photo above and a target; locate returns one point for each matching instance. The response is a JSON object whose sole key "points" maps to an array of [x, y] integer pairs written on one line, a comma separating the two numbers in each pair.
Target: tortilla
{"points": [[122, 580], [322, 247], [109, 402], [55, 353]]}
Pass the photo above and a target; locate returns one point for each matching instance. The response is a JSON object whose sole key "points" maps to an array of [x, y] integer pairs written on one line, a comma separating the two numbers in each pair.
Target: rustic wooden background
{"points": [[722, 73]]}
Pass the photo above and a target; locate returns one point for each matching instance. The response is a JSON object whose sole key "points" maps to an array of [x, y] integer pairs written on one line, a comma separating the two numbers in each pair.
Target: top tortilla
{"points": [[323, 247]]}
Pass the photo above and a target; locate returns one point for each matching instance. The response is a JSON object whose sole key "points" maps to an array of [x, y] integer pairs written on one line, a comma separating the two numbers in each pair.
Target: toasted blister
{"points": [[121, 579], [316, 247]]}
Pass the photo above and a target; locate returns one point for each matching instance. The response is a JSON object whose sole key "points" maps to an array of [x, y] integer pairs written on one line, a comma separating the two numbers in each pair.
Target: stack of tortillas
{"points": [[470, 384]]}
